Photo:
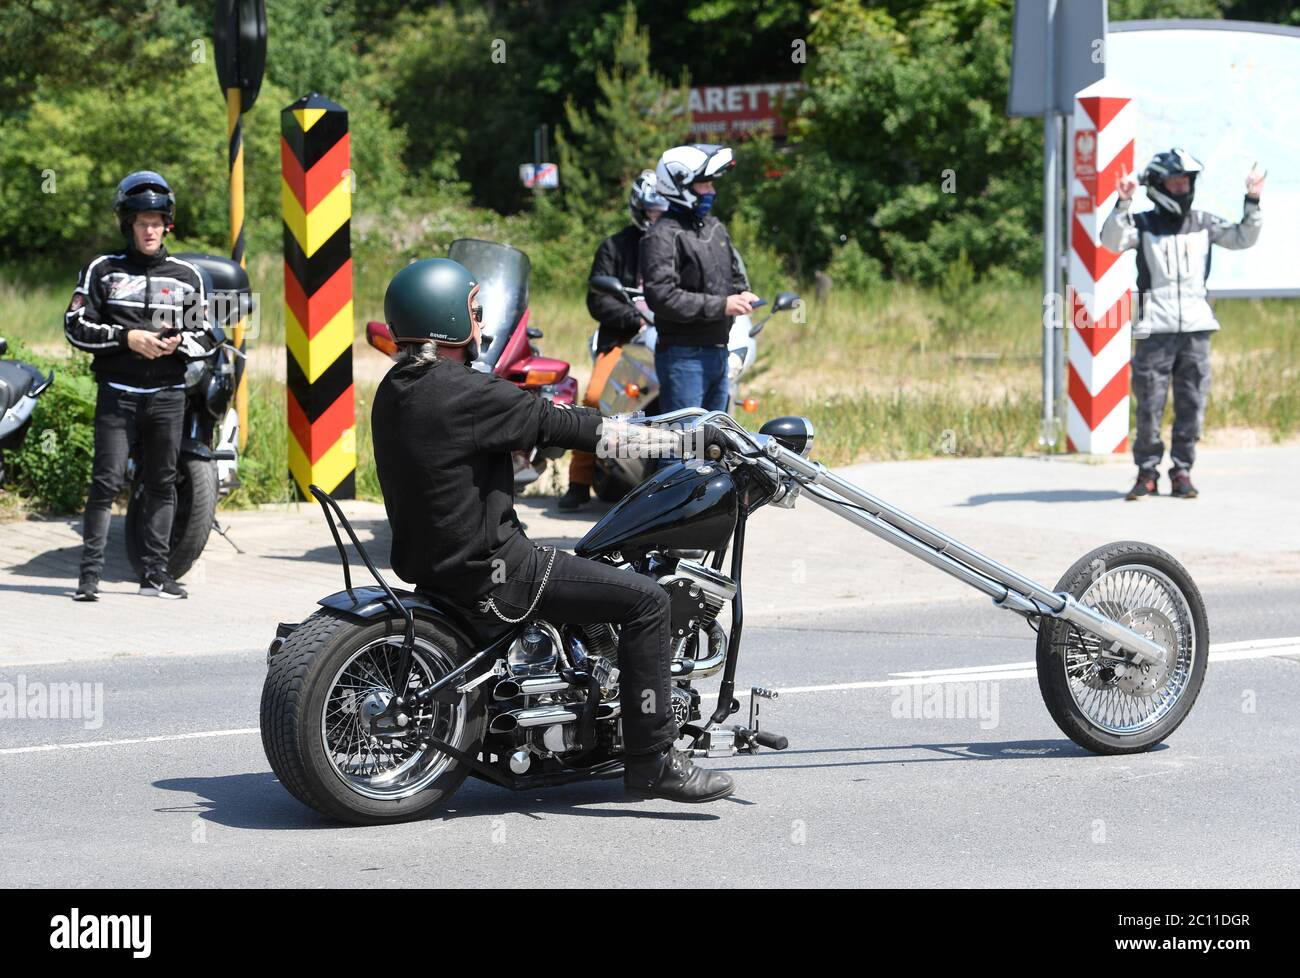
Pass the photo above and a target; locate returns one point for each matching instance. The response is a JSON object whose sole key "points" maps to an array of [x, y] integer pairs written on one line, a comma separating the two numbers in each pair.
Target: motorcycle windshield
{"points": [[502, 274]]}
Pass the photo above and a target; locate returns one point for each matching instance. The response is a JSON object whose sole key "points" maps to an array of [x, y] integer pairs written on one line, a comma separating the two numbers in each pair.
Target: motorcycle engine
{"points": [[698, 594]]}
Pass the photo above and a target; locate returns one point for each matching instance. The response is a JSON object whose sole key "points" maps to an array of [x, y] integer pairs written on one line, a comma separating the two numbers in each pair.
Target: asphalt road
{"points": [[866, 795]]}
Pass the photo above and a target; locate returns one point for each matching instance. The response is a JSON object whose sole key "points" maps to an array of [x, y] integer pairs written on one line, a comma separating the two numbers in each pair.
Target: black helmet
{"points": [[1171, 163], [644, 197], [427, 302], [143, 191], [682, 166]]}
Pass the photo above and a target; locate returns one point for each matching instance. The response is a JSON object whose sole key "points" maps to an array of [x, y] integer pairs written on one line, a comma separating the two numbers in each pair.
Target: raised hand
{"points": [[1255, 180], [1128, 183]]}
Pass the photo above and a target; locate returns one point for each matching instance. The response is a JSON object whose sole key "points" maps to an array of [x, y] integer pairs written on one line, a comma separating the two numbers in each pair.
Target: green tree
{"points": [[637, 116]]}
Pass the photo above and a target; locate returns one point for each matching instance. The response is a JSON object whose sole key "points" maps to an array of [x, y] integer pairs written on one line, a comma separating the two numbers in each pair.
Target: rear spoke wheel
{"points": [[387, 767]]}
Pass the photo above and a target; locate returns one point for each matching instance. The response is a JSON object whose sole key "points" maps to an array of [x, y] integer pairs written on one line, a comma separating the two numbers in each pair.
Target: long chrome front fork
{"points": [[1007, 588]]}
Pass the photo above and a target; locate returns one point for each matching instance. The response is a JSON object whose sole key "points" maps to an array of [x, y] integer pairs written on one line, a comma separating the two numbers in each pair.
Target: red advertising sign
{"points": [[723, 111]]}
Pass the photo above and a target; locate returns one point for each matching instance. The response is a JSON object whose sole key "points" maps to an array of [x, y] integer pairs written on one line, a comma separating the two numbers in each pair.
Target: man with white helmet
{"points": [[1175, 321], [695, 283], [619, 255]]}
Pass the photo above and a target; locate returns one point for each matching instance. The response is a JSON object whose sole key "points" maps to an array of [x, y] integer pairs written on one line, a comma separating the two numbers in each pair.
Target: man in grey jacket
{"points": [[1174, 321]]}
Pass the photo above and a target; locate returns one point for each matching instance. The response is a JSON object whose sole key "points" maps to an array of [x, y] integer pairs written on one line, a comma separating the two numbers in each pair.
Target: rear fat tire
{"points": [[1053, 632], [297, 684], [196, 509]]}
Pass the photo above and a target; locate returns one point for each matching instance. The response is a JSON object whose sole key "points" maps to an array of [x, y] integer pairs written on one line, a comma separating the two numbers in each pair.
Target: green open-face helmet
{"points": [[427, 302]]}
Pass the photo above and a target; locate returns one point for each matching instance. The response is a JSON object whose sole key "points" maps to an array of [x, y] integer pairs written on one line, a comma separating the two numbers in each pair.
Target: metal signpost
{"points": [[1057, 49]]}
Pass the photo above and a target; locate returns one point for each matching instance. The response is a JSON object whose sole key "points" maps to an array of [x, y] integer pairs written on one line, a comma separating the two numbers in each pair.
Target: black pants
{"points": [[1162, 360], [584, 592], [154, 422]]}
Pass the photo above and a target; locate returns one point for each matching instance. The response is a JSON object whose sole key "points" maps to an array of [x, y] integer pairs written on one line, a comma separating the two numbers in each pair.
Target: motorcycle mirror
{"points": [[785, 300], [608, 284], [380, 337], [4, 346]]}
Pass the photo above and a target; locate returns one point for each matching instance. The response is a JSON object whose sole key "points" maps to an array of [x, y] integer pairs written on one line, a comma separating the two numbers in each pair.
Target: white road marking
{"points": [[196, 735], [1221, 652]]}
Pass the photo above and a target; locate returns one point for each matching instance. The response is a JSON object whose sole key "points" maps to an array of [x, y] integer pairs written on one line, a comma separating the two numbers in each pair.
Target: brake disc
{"points": [[1144, 678]]}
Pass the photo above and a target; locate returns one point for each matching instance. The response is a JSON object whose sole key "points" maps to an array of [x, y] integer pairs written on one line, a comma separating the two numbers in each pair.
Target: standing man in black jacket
{"points": [[142, 313], [443, 436], [694, 281], [618, 255]]}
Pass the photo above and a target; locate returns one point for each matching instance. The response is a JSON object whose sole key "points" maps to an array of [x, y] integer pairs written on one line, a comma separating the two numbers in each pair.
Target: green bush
{"points": [[851, 267], [52, 469]]}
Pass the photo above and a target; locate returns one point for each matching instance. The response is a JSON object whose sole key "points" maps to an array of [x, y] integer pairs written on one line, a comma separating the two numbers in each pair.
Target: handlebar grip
{"points": [[771, 741]]}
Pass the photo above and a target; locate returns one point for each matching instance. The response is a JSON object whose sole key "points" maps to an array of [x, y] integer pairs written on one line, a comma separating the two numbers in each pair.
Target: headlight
{"points": [[792, 432]]}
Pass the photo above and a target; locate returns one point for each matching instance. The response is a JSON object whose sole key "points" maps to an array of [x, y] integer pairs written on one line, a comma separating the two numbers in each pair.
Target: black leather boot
{"points": [[671, 775], [575, 497]]}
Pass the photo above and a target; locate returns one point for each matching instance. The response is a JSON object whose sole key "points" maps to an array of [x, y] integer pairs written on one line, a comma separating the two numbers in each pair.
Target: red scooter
{"points": [[507, 349]]}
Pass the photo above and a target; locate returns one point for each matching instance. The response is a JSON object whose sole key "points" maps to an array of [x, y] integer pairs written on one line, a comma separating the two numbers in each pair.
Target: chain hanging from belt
{"points": [[491, 606]]}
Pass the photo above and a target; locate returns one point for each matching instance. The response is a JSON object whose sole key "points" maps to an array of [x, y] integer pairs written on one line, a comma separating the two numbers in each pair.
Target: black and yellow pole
{"points": [[239, 37], [235, 134]]}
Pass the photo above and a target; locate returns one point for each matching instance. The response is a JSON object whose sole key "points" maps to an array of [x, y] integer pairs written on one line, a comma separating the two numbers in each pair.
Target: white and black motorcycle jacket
{"points": [[1173, 261], [117, 293]]}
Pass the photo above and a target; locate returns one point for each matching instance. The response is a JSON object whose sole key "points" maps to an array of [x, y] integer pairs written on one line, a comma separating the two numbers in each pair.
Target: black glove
{"points": [[713, 440]]}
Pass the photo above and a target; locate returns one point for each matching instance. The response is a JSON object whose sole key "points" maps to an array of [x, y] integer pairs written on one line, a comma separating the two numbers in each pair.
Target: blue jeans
{"points": [[691, 376]]}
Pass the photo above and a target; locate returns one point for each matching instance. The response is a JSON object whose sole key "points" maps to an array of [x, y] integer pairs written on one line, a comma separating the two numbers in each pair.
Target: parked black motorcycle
{"points": [[379, 705], [20, 385], [208, 466]]}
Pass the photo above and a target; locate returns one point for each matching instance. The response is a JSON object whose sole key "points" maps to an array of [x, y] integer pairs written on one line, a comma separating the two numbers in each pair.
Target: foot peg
{"points": [[728, 741]]}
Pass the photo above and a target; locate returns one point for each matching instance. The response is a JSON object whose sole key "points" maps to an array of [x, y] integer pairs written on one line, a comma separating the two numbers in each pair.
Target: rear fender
{"points": [[365, 603]]}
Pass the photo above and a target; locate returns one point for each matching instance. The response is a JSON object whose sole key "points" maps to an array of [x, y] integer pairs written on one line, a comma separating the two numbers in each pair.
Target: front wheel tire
{"points": [[1108, 705]]}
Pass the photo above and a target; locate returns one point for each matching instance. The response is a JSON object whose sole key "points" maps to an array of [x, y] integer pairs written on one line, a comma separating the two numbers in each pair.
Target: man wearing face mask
{"points": [[618, 255], [1174, 322], [695, 283]]}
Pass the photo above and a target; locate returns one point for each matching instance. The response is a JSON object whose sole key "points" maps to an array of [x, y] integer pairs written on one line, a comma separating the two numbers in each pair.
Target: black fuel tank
{"points": [[692, 507]]}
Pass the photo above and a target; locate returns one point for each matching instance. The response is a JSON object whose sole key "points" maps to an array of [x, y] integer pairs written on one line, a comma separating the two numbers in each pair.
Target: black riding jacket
{"points": [[690, 267], [443, 434], [618, 255], [120, 292]]}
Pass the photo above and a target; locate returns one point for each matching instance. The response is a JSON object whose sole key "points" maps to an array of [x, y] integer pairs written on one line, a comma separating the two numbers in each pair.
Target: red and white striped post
{"points": [[1099, 293]]}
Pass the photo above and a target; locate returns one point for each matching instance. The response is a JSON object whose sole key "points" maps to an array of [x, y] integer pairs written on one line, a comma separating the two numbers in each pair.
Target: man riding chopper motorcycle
{"points": [[619, 255], [443, 436]]}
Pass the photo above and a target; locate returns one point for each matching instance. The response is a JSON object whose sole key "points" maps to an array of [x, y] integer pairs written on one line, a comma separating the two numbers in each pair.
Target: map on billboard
{"points": [[1228, 92]]}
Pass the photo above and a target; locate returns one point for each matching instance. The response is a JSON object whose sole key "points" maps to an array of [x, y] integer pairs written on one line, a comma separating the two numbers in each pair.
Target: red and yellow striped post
{"points": [[316, 201], [235, 141]]}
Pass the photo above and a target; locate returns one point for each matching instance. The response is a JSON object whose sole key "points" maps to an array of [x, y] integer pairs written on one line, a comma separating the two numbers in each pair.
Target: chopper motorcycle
{"points": [[509, 349], [378, 706], [633, 384]]}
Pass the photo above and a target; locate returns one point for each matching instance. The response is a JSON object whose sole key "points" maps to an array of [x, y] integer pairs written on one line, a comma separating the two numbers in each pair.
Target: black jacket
{"points": [[126, 291], [618, 255], [690, 267], [443, 434]]}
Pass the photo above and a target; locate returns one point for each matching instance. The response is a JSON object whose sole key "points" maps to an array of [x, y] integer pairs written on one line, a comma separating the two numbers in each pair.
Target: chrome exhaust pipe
{"points": [[713, 663], [533, 716], [508, 689]]}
